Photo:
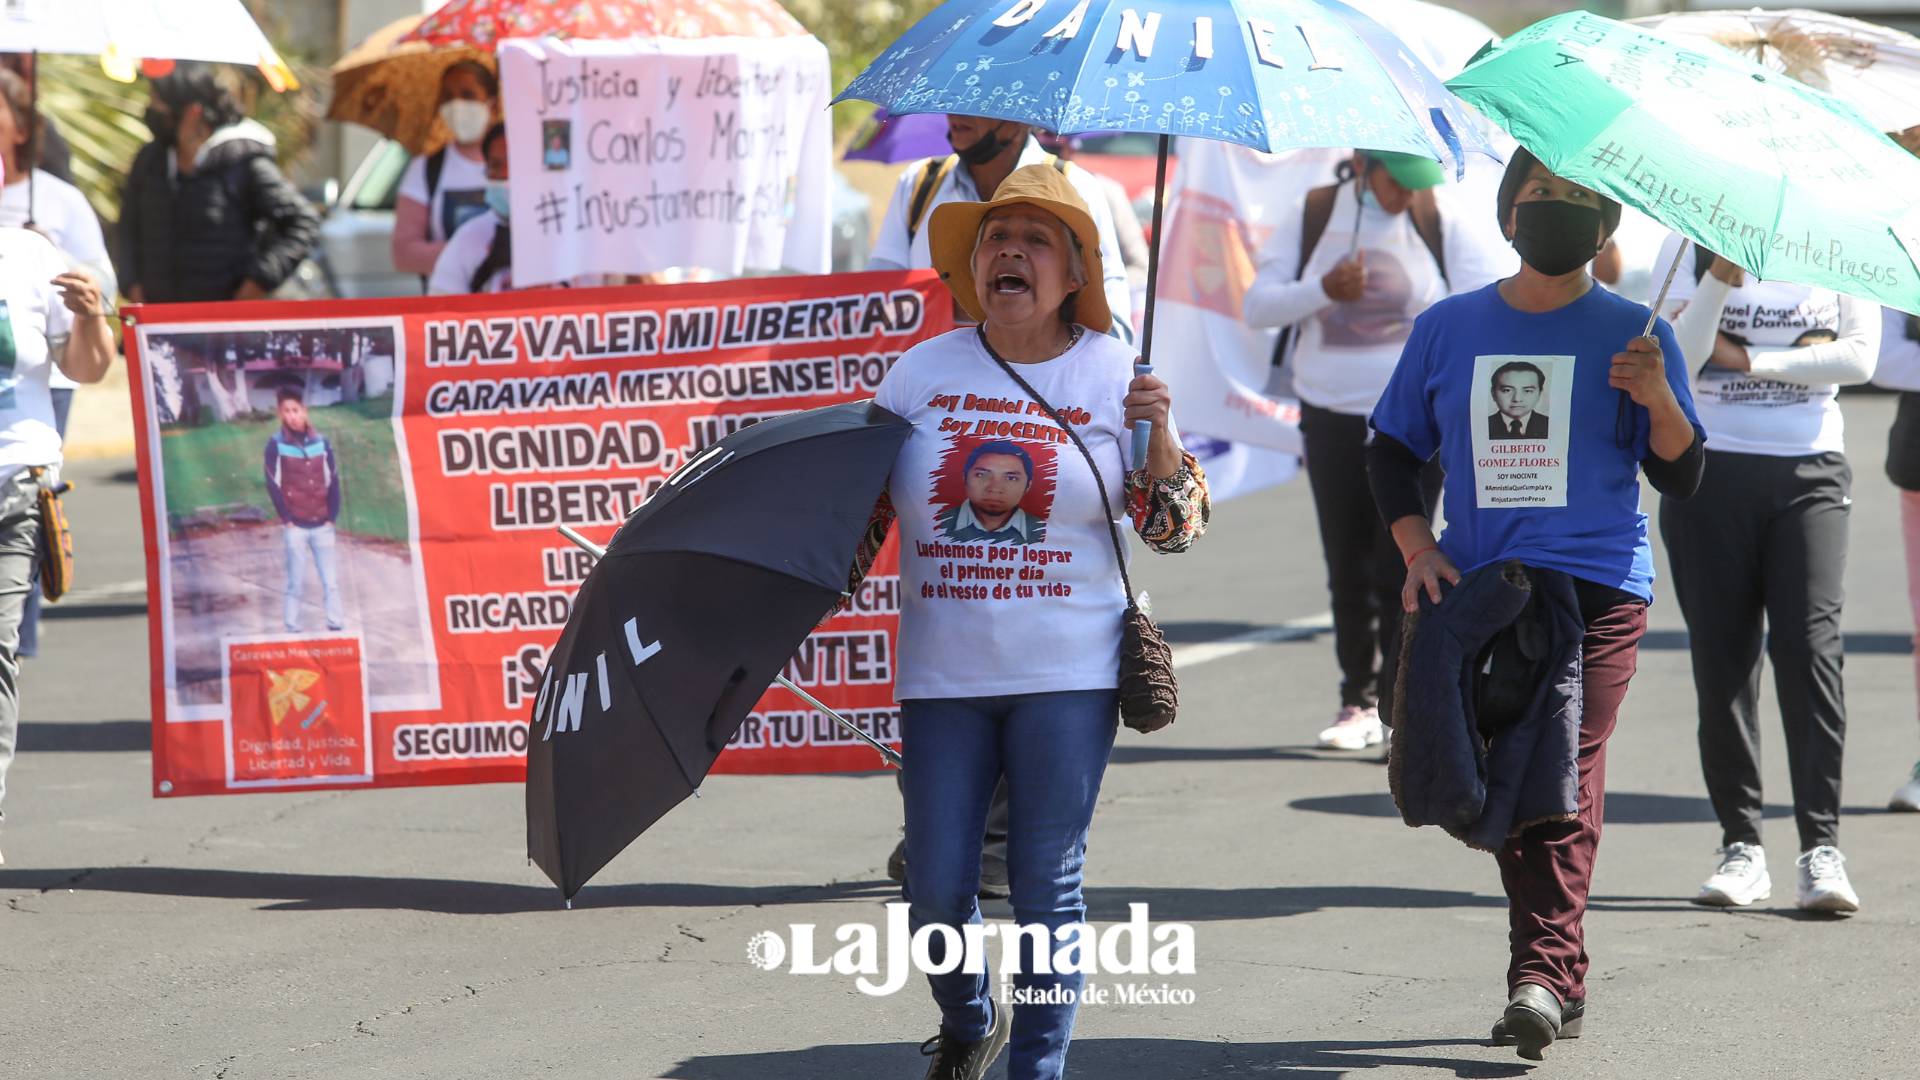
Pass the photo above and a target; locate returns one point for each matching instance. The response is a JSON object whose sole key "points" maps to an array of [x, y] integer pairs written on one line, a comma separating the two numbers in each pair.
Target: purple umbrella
{"points": [[900, 138]]}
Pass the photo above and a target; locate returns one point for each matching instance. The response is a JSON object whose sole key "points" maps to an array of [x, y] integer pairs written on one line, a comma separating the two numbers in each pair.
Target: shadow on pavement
{"points": [[1623, 807], [1125, 1059], [92, 611], [1140, 754], [346, 892], [1882, 643], [1203, 631], [1201, 905], [97, 736], [337, 892]]}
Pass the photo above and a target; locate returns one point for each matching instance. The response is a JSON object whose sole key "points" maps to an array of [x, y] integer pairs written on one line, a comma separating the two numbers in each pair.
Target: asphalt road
{"points": [[401, 934]]}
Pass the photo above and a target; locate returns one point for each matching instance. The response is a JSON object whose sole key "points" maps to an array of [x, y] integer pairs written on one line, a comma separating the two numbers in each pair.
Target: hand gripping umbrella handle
{"points": [[1142, 429], [891, 755]]}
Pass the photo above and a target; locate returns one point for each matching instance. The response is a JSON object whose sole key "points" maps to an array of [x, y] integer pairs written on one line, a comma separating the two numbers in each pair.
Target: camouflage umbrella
{"points": [[393, 86]]}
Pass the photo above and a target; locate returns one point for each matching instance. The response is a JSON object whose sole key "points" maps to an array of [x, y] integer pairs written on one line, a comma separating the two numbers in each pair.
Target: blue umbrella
{"points": [[1269, 74]]}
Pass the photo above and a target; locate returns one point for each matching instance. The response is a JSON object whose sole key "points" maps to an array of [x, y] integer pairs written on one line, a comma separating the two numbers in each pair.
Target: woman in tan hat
{"points": [[1010, 623]]}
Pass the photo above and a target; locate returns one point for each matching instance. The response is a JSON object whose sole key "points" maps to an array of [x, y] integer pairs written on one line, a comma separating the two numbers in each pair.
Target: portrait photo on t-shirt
{"points": [[459, 207], [995, 491], [1520, 414], [1384, 313]]}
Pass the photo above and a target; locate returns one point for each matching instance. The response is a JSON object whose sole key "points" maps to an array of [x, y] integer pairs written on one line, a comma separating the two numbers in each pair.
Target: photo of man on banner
{"points": [[303, 479]]}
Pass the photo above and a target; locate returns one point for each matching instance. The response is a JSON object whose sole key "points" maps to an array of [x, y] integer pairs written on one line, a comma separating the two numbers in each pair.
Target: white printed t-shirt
{"points": [[461, 196], [1007, 572], [33, 320], [63, 213], [1346, 352], [453, 270], [1774, 410]]}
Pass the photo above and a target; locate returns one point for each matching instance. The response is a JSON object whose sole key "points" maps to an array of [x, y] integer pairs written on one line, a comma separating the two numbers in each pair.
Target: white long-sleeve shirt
{"points": [[1787, 405], [1344, 353], [1899, 367]]}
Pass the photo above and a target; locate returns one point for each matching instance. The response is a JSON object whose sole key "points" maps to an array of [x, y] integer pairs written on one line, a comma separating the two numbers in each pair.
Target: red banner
{"points": [[350, 512]]}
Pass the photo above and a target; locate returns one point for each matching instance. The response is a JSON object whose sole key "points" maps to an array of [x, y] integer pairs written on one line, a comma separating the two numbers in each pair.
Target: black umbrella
{"points": [[701, 599]]}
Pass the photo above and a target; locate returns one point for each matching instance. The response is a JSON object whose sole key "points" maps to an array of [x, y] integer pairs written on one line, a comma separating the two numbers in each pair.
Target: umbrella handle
{"points": [[591, 548], [1143, 429], [891, 755], [1659, 301]]}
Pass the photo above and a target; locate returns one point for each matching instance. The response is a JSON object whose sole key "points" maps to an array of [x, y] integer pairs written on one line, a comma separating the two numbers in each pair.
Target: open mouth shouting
{"points": [[1011, 281]]}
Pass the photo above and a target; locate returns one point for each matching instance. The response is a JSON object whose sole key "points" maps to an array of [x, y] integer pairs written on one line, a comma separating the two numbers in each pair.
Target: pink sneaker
{"points": [[1356, 728]]}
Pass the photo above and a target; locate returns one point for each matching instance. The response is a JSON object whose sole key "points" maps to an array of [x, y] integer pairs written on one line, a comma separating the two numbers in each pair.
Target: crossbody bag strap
{"points": [[1119, 546]]}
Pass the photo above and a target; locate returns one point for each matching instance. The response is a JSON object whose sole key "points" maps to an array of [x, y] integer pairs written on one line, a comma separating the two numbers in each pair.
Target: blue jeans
{"points": [[321, 543], [1052, 749], [30, 621]]}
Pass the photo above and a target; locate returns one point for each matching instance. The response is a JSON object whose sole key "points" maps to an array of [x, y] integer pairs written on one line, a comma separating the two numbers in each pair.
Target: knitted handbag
{"points": [[1149, 693], [56, 538]]}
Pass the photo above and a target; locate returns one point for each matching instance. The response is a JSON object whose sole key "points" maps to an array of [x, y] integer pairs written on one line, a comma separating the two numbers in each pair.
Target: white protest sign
{"points": [[630, 157]]}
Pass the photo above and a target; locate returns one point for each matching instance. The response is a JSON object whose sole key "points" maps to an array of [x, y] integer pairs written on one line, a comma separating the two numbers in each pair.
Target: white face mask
{"points": [[466, 119]]}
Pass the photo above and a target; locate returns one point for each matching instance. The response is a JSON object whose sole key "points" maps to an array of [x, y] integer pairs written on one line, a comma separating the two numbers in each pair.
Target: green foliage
{"points": [[101, 118], [856, 31], [221, 465], [101, 121]]}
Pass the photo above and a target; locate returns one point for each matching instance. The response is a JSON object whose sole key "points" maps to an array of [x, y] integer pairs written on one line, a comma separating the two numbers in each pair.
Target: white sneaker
{"points": [[1741, 879], [1356, 728], [1907, 797], [1823, 882]]}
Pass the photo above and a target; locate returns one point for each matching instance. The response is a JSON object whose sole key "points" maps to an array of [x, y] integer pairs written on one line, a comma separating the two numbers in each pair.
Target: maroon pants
{"points": [[1548, 869]]}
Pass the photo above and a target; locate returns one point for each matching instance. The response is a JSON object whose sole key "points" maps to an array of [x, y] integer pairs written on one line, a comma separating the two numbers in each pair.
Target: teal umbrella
{"points": [[1788, 182]]}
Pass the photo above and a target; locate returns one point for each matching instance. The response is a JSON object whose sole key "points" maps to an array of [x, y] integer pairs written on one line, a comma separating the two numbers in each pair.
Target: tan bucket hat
{"points": [[955, 227]]}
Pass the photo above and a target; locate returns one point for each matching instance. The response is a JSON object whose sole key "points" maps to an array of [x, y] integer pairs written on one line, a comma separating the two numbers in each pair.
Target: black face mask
{"points": [[984, 149], [161, 124], [1556, 237]]}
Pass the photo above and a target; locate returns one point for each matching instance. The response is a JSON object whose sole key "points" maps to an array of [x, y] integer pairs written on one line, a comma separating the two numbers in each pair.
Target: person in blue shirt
{"points": [[1564, 497]]}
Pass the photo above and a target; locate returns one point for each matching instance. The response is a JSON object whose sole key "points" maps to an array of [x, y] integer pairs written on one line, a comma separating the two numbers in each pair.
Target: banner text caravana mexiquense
{"points": [[350, 512]]}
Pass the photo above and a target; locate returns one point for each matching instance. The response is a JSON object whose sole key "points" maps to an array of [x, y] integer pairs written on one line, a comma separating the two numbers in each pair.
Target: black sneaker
{"points": [[956, 1060], [897, 862]]}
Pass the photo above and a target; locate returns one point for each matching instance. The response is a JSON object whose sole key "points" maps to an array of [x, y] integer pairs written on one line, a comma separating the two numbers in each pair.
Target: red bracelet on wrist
{"points": [[1422, 551]]}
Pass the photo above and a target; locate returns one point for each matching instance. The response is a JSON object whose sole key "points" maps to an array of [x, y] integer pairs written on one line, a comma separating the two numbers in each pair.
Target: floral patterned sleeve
{"points": [[1170, 514], [875, 538]]}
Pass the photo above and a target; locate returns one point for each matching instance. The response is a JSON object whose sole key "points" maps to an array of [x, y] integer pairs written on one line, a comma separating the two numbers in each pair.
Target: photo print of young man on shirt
{"points": [[1002, 485], [1518, 393]]}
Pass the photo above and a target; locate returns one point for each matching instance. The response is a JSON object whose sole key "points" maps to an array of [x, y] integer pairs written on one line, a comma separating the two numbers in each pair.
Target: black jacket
{"points": [[199, 236], [1486, 738]]}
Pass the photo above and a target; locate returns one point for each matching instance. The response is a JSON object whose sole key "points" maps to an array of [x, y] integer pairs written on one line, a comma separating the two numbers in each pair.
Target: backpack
{"points": [[1424, 211], [436, 164], [932, 175], [499, 257]]}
